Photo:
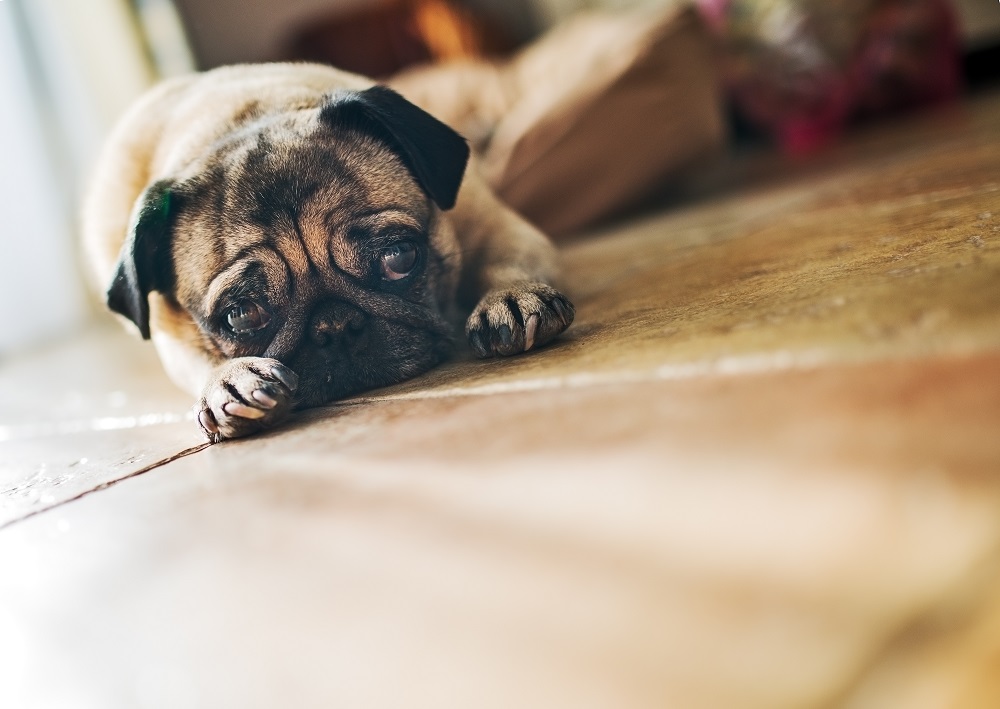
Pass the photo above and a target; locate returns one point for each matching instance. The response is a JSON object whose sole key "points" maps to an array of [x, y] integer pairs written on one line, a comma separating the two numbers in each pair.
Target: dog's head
{"points": [[314, 236]]}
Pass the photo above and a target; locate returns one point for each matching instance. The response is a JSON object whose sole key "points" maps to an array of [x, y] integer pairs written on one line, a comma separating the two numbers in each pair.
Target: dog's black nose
{"points": [[335, 321]]}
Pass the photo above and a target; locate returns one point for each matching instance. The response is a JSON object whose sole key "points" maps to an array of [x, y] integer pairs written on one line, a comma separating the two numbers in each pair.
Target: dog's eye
{"points": [[398, 260], [246, 316]]}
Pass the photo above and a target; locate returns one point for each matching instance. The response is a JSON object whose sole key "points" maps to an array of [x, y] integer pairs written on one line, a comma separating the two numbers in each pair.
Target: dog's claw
{"points": [[207, 421], [242, 410], [530, 329], [564, 313], [476, 340], [286, 376], [262, 398], [505, 337]]}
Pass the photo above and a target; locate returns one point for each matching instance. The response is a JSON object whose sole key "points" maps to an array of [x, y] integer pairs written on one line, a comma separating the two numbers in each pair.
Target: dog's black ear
{"points": [[144, 263], [434, 153]]}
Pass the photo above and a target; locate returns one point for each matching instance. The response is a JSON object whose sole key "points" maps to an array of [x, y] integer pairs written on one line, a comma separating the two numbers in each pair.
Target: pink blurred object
{"points": [[802, 70]]}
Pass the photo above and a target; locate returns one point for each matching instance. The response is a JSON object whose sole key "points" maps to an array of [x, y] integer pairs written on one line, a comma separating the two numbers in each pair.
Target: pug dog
{"points": [[291, 234]]}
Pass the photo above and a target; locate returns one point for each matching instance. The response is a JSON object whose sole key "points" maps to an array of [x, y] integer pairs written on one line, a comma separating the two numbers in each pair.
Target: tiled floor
{"points": [[761, 470]]}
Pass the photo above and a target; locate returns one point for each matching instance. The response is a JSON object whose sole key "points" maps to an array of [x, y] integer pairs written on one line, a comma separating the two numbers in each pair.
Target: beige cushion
{"points": [[590, 118]]}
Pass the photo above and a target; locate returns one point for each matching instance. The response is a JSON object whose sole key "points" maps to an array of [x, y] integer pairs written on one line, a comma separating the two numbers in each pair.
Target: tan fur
{"points": [[493, 254]]}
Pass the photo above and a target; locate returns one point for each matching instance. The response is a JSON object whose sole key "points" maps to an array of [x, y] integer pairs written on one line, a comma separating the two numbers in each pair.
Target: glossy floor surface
{"points": [[762, 469]]}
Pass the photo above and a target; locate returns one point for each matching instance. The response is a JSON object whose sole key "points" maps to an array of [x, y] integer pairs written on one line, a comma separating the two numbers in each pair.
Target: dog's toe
{"points": [[517, 319], [247, 395]]}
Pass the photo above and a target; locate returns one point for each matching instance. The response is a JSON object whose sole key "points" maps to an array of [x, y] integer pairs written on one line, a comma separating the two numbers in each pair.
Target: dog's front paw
{"points": [[247, 395], [515, 319]]}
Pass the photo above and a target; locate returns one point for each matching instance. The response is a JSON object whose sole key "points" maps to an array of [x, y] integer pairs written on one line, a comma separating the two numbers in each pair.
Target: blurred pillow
{"points": [[589, 119], [608, 106]]}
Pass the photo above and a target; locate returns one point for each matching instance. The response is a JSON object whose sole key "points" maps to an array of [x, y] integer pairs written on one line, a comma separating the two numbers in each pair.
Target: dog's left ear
{"points": [[144, 263], [434, 153]]}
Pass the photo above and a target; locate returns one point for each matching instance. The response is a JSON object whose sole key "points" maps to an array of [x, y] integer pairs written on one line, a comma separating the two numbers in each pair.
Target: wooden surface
{"points": [[761, 470]]}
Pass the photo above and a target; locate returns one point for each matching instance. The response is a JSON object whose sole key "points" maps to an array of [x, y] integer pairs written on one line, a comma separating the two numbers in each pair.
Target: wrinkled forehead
{"points": [[297, 181], [279, 168]]}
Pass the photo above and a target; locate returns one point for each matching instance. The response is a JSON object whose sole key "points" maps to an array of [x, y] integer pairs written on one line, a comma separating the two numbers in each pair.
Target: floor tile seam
{"points": [[159, 463], [782, 361]]}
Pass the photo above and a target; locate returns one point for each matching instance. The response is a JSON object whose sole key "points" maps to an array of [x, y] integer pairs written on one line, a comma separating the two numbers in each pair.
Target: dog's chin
{"points": [[327, 374]]}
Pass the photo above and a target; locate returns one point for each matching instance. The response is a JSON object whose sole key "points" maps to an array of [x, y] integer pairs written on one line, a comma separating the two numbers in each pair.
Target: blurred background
{"points": [[69, 69]]}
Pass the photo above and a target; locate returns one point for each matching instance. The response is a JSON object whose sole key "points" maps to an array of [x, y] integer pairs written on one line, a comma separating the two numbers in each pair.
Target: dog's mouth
{"points": [[330, 374]]}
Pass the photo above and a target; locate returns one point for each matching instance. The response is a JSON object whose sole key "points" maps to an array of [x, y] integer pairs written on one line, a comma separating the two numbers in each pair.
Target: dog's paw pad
{"points": [[247, 395], [517, 319]]}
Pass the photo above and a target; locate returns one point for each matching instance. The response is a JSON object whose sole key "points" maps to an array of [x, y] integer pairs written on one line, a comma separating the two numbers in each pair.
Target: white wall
{"points": [[67, 70], [40, 290], [231, 31]]}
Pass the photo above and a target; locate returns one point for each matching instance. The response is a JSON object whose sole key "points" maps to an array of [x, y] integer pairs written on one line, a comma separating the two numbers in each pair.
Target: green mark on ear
{"points": [[165, 203]]}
